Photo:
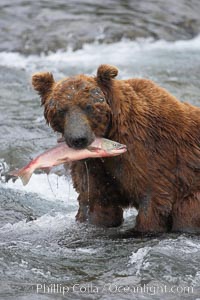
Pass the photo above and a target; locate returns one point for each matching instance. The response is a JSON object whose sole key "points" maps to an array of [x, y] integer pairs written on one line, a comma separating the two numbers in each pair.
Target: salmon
{"points": [[62, 153]]}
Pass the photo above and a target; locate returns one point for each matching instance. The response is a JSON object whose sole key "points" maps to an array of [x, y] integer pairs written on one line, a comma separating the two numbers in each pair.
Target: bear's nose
{"points": [[79, 143]]}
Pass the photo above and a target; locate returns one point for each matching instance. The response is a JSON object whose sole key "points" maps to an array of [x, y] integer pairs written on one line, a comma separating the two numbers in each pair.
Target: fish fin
{"points": [[24, 174], [47, 170], [62, 161]]}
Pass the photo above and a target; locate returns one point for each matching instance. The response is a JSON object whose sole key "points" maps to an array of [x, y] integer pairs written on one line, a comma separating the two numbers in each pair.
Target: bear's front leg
{"points": [[96, 193], [154, 216], [96, 214]]}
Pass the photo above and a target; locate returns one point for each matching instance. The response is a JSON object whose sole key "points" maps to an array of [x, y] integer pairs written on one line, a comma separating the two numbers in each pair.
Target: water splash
{"points": [[88, 188], [4, 168]]}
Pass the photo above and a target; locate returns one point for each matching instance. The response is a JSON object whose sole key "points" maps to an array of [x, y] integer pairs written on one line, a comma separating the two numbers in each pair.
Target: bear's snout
{"points": [[77, 131]]}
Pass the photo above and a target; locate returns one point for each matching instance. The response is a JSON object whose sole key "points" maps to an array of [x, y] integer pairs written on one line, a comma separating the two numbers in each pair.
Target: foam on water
{"points": [[45, 223], [119, 53], [40, 237], [51, 187], [168, 258], [138, 258], [56, 217]]}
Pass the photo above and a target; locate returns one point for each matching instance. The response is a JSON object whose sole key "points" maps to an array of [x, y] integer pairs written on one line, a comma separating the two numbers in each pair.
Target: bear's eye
{"points": [[61, 112], [69, 97], [99, 100]]}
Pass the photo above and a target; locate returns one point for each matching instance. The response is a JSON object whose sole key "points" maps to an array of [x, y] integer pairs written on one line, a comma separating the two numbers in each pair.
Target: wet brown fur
{"points": [[160, 173]]}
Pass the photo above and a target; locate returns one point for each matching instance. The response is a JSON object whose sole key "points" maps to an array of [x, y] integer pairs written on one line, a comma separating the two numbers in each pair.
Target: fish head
{"points": [[105, 147], [79, 107], [112, 147]]}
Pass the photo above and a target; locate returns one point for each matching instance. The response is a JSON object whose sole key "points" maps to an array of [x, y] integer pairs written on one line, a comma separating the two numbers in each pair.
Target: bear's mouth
{"points": [[62, 139]]}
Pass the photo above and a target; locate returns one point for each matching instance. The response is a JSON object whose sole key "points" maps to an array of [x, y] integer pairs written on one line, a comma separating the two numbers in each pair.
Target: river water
{"points": [[44, 253]]}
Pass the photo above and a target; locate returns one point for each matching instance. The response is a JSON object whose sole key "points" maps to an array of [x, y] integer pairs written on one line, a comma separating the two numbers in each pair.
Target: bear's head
{"points": [[79, 106]]}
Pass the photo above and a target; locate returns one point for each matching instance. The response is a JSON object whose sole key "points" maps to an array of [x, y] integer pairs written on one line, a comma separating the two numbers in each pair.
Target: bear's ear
{"points": [[106, 72], [43, 83]]}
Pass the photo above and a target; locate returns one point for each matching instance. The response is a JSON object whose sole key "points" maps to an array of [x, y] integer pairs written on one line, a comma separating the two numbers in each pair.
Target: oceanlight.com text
{"points": [[111, 289]]}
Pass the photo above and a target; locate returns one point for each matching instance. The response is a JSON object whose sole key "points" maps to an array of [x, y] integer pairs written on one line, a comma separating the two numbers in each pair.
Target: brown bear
{"points": [[159, 175]]}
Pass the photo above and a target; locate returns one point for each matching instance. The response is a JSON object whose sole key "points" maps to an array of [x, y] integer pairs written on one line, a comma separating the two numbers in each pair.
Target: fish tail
{"points": [[24, 174]]}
